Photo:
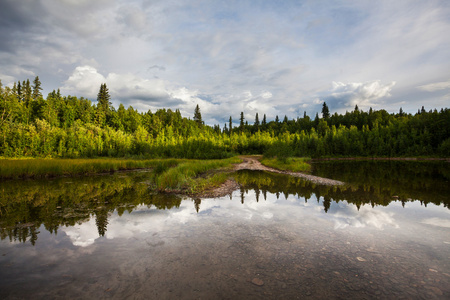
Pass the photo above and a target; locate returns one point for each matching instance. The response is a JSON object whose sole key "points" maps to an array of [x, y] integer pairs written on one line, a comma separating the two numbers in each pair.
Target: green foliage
{"points": [[183, 175], [36, 168], [71, 127], [294, 164]]}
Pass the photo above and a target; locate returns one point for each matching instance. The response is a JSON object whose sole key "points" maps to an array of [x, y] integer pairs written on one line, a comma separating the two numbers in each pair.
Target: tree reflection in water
{"points": [[27, 205]]}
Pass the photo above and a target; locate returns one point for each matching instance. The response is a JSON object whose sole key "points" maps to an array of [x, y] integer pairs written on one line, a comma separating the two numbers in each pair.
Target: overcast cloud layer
{"points": [[273, 57]]}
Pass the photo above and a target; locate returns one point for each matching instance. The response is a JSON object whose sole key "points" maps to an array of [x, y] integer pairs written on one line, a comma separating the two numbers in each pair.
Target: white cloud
{"points": [[436, 86], [349, 215], [439, 222], [85, 80], [365, 95], [216, 52]]}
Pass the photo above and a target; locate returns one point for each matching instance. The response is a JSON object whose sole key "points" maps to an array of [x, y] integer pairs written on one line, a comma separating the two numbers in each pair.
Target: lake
{"points": [[385, 234]]}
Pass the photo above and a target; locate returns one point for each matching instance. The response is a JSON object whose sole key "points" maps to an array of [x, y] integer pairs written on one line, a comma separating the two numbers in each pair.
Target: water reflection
{"points": [[405, 181], [78, 204], [31, 205], [276, 237]]}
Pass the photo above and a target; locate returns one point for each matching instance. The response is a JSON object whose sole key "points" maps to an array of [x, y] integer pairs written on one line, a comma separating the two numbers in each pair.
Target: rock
{"points": [[360, 258], [257, 281]]}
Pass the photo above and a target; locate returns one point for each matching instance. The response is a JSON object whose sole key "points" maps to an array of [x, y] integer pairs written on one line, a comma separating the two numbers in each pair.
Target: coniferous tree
{"points": [[241, 124], [264, 120], [37, 88], [103, 105], [198, 116], [19, 90], [256, 124], [103, 98], [27, 92], [325, 111], [230, 127]]}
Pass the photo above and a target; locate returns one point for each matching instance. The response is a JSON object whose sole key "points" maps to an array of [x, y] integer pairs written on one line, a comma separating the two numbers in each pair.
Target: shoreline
{"points": [[385, 158], [252, 163]]}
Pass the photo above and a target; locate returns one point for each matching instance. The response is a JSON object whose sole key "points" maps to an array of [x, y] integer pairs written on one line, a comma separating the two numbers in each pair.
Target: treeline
{"points": [[67, 126]]}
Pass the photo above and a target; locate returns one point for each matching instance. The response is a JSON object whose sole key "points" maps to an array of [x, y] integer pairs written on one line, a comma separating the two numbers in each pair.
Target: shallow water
{"points": [[276, 237]]}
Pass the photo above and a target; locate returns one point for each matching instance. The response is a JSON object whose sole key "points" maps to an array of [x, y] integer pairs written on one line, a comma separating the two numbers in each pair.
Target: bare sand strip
{"points": [[251, 163]]}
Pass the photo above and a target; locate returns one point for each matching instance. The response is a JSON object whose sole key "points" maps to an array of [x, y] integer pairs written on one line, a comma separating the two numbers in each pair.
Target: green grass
{"points": [[169, 175], [294, 164], [185, 176], [36, 168]]}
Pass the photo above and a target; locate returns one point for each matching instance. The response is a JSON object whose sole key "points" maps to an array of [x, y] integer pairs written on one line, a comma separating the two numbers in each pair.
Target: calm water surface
{"points": [[384, 235]]}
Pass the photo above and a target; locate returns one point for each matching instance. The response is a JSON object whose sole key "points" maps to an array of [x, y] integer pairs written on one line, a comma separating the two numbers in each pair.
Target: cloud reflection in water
{"points": [[271, 209]]}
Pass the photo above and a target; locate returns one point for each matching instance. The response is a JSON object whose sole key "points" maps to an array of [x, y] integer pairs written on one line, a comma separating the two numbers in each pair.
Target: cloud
{"points": [[439, 222], [155, 93], [345, 215], [436, 86], [365, 95], [218, 51]]}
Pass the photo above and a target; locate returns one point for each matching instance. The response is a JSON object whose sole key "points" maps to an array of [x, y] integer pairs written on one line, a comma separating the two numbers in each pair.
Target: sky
{"points": [[252, 56]]}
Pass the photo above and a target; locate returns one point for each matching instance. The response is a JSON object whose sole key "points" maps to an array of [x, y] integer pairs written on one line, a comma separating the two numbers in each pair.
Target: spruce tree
{"points": [[103, 98], [103, 105], [325, 111], [256, 120], [37, 88], [198, 116]]}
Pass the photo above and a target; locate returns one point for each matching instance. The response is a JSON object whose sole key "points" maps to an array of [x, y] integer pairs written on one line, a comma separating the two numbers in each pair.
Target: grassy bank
{"points": [[294, 164], [38, 168], [169, 175], [185, 176]]}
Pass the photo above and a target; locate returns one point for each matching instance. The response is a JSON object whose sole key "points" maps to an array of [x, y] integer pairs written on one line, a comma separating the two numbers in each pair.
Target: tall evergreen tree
{"points": [[198, 116], [325, 111], [27, 91], [241, 123], [37, 88], [264, 120], [230, 124], [256, 120], [103, 105], [103, 98], [19, 90]]}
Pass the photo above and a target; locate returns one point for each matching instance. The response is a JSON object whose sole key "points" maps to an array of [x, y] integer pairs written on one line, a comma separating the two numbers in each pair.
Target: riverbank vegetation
{"points": [[293, 164], [39, 168], [69, 127], [185, 176]]}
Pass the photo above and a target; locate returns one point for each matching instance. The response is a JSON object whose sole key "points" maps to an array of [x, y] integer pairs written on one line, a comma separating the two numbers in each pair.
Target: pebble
{"points": [[257, 281], [360, 258]]}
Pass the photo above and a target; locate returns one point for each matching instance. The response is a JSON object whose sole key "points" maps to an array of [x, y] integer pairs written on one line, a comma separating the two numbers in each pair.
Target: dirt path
{"points": [[251, 163]]}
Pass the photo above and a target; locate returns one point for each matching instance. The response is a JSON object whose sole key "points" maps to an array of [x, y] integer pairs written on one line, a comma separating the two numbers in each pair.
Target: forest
{"points": [[69, 127]]}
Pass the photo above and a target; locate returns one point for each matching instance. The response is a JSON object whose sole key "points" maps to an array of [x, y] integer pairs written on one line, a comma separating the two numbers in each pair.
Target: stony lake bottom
{"points": [[386, 235]]}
